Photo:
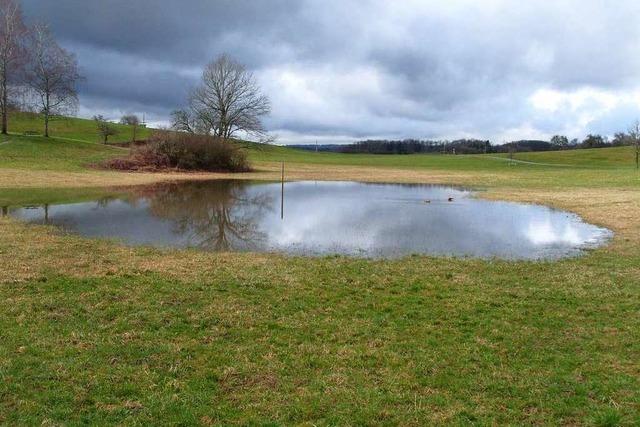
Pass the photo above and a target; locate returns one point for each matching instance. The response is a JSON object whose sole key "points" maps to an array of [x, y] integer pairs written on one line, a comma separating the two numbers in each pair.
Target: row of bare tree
{"points": [[35, 71], [107, 128]]}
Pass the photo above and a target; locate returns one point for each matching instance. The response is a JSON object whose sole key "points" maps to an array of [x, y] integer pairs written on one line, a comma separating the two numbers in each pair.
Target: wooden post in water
{"points": [[282, 193]]}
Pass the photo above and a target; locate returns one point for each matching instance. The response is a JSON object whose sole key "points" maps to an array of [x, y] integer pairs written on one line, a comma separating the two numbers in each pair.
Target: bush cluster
{"points": [[184, 151]]}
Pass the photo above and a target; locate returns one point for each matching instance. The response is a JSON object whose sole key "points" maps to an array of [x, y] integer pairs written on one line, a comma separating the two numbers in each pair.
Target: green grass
{"points": [[85, 130], [329, 341], [415, 161], [40, 153], [593, 168], [610, 168], [605, 158], [616, 157], [70, 127], [73, 130], [95, 333]]}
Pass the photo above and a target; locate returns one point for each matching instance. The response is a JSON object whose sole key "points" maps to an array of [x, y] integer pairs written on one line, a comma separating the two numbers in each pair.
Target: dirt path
{"points": [[526, 162]]}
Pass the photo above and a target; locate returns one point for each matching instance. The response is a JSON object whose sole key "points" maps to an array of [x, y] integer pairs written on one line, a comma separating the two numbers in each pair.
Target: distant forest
{"points": [[470, 146]]}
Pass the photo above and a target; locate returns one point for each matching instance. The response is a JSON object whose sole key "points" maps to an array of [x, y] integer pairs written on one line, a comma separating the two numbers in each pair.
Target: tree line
{"points": [[36, 73], [459, 146]]}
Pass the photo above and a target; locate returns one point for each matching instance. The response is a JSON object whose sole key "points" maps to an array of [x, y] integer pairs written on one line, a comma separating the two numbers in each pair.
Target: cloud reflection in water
{"points": [[372, 220]]}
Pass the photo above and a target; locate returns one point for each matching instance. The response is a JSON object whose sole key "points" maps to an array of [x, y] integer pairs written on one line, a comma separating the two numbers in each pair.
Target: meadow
{"points": [[70, 128], [95, 332]]}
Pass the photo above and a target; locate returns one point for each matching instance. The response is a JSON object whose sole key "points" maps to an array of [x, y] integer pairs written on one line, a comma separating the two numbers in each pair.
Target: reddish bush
{"points": [[184, 151]]}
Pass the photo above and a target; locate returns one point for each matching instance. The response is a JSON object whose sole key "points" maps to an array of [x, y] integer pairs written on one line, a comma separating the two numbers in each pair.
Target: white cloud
{"points": [[344, 69]]}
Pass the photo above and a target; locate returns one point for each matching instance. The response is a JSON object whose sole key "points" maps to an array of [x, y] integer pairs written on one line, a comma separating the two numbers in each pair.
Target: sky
{"points": [[343, 70]]}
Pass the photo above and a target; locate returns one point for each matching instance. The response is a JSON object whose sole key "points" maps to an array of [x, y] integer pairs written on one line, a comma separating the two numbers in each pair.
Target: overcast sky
{"points": [[338, 70]]}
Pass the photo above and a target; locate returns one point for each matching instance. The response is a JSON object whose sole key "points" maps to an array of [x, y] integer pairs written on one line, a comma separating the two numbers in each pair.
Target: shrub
{"points": [[185, 151]]}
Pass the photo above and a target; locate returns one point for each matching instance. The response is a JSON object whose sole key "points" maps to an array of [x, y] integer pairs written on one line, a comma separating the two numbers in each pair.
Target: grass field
{"points": [[70, 128], [93, 332], [618, 157]]}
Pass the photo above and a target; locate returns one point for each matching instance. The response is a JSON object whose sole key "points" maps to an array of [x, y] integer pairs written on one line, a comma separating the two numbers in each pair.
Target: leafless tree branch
{"points": [[52, 74], [12, 53], [228, 101]]}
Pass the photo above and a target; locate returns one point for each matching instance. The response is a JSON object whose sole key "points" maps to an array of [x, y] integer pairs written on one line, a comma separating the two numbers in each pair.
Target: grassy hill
{"points": [[37, 152], [69, 127]]}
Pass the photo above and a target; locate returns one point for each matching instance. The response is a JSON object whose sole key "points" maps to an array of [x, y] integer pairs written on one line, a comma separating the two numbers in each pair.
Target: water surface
{"points": [[320, 218]]}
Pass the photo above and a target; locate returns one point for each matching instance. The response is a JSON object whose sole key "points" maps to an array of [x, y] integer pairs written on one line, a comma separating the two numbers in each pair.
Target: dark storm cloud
{"points": [[144, 82], [180, 31], [348, 68]]}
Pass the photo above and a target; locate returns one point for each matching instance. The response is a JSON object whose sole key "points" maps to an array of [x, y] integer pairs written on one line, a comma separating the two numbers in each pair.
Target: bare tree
{"points": [[228, 101], [184, 120], [52, 75], [105, 128], [634, 134], [12, 52], [133, 121]]}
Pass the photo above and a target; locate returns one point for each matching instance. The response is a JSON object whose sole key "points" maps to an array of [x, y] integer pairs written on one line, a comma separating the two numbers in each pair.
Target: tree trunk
{"points": [[46, 118], [5, 97]]}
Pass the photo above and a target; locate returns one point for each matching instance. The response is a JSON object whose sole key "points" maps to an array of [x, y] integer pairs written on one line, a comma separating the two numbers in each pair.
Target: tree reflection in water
{"points": [[219, 217], [324, 218]]}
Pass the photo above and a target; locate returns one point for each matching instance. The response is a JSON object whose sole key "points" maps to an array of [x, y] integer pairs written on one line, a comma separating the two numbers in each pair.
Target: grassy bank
{"points": [[93, 332]]}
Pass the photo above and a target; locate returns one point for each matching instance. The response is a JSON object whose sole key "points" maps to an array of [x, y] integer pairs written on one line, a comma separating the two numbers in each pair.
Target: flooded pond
{"points": [[321, 218]]}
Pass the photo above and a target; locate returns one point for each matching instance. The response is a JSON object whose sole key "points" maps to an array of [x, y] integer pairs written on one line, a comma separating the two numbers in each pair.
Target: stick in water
{"points": [[282, 194]]}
